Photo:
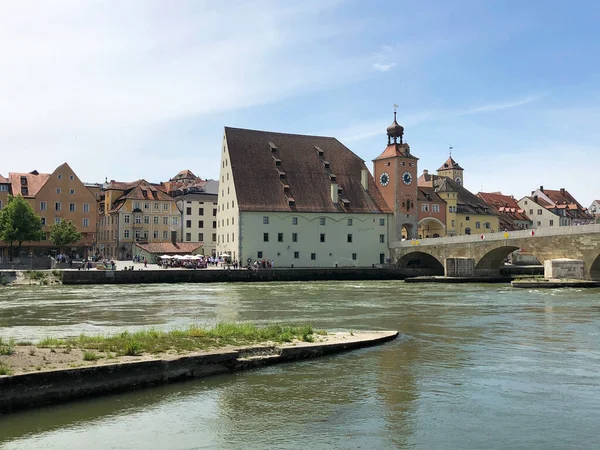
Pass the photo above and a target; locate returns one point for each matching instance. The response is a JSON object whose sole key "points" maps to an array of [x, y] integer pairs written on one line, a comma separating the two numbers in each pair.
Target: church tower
{"points": [[395, 172], [452, 170]]}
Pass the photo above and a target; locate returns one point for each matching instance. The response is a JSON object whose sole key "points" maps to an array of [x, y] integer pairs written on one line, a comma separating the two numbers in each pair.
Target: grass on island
{"points": [[193, 338]]}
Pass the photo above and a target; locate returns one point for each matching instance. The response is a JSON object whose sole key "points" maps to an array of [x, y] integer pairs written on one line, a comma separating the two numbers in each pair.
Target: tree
{"points": [[63, 234], [19, 223]]}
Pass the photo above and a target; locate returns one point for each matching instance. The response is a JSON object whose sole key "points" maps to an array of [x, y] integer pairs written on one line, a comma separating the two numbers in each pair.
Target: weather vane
{"points": [[450, 150], [395, 106]]}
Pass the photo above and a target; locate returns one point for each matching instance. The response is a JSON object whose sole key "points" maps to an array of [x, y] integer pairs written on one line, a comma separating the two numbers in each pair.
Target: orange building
{"points": [[55, 196]]}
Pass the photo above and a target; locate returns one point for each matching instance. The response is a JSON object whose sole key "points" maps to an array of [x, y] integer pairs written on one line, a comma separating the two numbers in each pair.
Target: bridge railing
{"points": [[486, 235]]}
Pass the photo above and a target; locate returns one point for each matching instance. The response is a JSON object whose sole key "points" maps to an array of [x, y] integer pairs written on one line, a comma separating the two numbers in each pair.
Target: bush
{"points": [[90, 356]]}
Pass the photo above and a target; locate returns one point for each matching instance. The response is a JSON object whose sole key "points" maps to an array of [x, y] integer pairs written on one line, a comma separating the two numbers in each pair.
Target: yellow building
{"points": [[466, 213], [137, 212], [55, 196]]}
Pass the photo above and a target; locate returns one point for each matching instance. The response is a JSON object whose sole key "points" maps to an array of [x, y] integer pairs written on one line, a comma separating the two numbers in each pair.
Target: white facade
{"points": [[312, 239], [594, 208], [540, 216], [199, 220]]}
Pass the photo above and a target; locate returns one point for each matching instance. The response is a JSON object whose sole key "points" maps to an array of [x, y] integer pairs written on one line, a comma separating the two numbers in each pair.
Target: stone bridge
{"points": [[483, 255]]}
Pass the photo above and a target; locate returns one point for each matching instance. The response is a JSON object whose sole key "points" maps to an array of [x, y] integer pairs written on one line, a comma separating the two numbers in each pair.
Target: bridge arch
{"points": [[491, 261], [595, 269], [420, 260]]}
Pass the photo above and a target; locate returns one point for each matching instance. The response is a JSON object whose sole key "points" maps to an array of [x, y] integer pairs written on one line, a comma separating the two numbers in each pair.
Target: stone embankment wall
{"points": [[33, 389], [242, 275]]}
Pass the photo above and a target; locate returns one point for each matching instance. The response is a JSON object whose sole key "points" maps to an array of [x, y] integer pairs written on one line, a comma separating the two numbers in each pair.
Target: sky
{"points": [[143, 89]]}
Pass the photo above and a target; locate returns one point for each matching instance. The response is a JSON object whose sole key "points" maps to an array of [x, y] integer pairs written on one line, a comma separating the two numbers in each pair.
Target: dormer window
{"points": [[326, 164], [345, 201], [332, 177], [281, 173], [286, 188], [277, 161], [273, 147], [291, 201], [320, 152]]}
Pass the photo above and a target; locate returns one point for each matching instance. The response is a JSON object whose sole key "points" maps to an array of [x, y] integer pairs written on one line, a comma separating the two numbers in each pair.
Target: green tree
{"points": [[19, 223], [63, 234]]}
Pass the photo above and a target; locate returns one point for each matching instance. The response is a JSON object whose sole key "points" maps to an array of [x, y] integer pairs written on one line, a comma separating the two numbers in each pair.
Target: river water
{"points": [[477, 367]]}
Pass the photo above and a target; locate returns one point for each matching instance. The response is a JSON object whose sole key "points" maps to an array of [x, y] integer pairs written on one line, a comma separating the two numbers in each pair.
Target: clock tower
{"points": [[395, 173]]}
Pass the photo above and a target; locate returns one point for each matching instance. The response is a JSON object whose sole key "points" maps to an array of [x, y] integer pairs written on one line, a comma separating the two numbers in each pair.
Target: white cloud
{"points": [[506, 104], [94, 79], [383, 67]]}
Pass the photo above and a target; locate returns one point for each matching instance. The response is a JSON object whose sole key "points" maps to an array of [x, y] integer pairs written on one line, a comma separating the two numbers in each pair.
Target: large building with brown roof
{"points": [[302, 201], [134, 212], [55, 196]]}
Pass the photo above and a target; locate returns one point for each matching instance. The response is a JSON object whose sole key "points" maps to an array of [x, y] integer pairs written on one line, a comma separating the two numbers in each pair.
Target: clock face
{"points": [[458, 181], [406, 178], [384, 179]]}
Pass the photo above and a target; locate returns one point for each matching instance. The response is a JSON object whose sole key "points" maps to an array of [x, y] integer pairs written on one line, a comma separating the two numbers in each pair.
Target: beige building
{"points": [[302, 201], [56, 196], [541, 214], [197, 200], [4, 191], [137, 212]]}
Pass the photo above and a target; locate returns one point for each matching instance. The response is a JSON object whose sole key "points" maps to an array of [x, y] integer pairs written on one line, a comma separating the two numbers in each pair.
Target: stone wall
{"points": [[242, 275]]}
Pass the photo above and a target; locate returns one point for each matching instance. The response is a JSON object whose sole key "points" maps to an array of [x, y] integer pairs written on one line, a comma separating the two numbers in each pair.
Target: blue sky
{"points": [[143, 89]]}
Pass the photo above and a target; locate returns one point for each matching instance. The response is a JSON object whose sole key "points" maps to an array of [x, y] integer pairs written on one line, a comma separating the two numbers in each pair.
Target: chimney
{"points": [[364, 179], [425, 172], [334, 192], [542, 188], [174, 237], [562, 191]]}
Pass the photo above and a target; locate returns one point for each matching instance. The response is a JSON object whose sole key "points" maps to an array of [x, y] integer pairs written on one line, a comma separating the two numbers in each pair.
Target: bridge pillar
{"points": [[564, 269], [459, 267]]}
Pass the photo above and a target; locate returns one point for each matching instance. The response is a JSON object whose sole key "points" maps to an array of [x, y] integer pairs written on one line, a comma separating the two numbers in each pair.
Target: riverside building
{"points": [[300, 201]]}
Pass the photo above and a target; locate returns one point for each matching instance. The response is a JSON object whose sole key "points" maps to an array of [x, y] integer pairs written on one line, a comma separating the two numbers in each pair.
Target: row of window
{"points": [[486, 225], [313, 256], [223, 222], [188, 211], [188, 223], [84, 222], [322, 221], [146, 219], [434, 207], [349, 237], [58, 207], [188, 237], [222, 207], [138, 205]]}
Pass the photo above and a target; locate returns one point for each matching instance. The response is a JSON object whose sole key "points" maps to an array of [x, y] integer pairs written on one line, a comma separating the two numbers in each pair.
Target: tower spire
{"points": [[395, 131], [450, 151]]}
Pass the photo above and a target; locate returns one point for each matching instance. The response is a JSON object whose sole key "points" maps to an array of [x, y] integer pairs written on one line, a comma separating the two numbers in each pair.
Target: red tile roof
{"points": [[450, 164], [507, 207], [393, 150], [179, 248], [259, 183], [34, 182], [185, 175]]}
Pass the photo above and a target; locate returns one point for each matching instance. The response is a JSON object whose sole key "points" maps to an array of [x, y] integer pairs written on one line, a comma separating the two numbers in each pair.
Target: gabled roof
{"points": [[307, 167], [507, 208], [184, 175], [33, 180], [450, 164], [466, 202], [4, 180], [144, 191]]}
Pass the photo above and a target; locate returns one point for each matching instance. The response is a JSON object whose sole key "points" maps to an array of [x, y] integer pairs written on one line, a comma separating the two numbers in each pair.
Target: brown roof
{"points": [[466, 202], [184, 174], [168, 248], [507, 208], [259, 182], [450, 164], [428, 194], [4, 180], [34, 183], [393, 150]]}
